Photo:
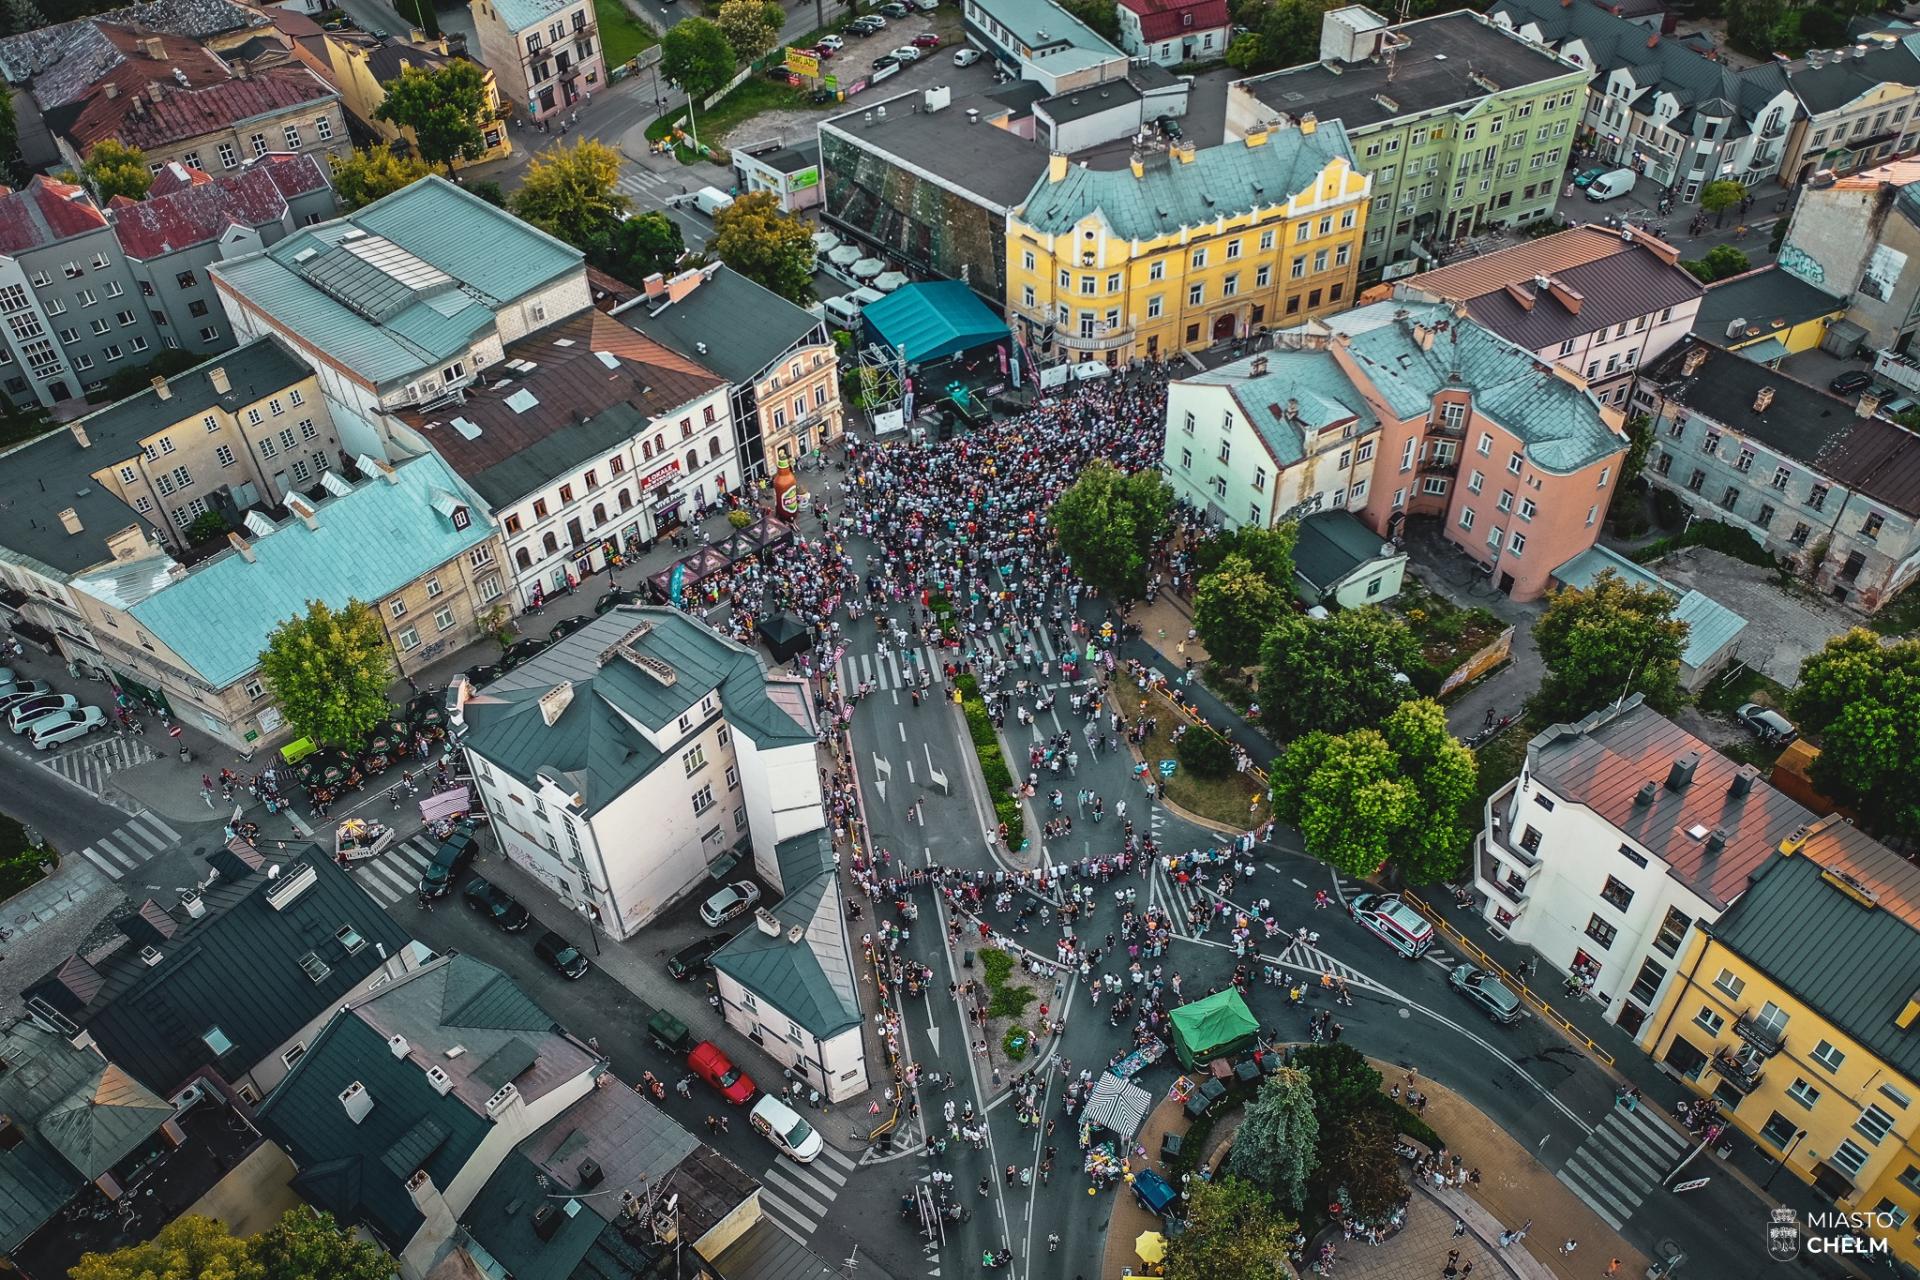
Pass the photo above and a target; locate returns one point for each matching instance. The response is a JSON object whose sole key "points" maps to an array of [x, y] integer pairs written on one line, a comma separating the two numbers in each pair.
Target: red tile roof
{"points": [[139, 119], [45, 213], [175, 177], [196, 209], [1168, 19]]}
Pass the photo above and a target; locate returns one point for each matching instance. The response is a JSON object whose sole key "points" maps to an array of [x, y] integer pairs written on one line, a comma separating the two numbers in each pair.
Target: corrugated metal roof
{"points": [[1606, 759], [1857, 965], [1300, 392], [1333, 544], [811, 981], [365, 544], [483, 247]]}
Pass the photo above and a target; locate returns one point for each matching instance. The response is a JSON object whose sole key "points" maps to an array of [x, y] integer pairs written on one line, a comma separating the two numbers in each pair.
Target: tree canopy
{"points": [[303, 1244], [766, 244], [1109, 523], [1275, 1143], [643, 244], [1338, 673], [1358, 1163], [1861, 697], [752, 27], [1233, 609], [329, 671], [1233, 1230], [1269, 551], [1720, 262], [446, 108], [696, 55], [373, 172], [115, 169], [1721, 195], [1605, 642], [569, 193]]}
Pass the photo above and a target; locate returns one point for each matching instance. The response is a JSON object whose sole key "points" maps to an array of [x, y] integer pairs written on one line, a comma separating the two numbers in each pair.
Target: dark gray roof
{"points": [[1803, 924], [1880, 459], [76, 1115], [1110, 95], [1332, 544], [345, 1168], [584, 1247], [810, 980], [1839, 81], [996, 166], [743, 327], [1615, 289], [1019, 97], [590, 747], [237, 968], [1769, 300], [1446, 62], [765, 1252], [50, 473], [793, 159], [1604, 761], [1801, 422]]}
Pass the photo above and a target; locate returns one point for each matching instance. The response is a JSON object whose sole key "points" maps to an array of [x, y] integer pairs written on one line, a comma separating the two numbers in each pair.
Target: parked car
{"points": [[894, 9], [497, 905], [1766, 724], [1170, 127], [1487, 991], [834, 43], [27, 710], [906, 53], [927, 41], [64, 726], [1851, 381], [561, 956], [695, 957], [924, 6], [781, 1125], [713, 1066], [869, 23], [1585, 177], [823, 52], [566, 627], [14, 695], [965, 57], [484, 673], [454, 855], [1154, 1192], [736, 899], [1393, 922], [615, 598], [883, 66], [1894, 408]]}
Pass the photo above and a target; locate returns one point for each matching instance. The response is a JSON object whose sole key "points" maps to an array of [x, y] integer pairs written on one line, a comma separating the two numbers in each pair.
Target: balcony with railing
{"points": [[1499, 881], [1766, 1039], [1741, 1069], [1442, 464]]}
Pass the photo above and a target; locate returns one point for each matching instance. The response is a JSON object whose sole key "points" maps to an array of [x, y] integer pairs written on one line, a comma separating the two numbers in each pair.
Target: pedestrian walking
{"points": [[1566, 1249], [1613, 1268]]}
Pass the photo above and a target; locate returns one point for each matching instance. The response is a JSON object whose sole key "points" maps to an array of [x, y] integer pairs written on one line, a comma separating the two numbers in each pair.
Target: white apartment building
{"points": [[1621, 832]]}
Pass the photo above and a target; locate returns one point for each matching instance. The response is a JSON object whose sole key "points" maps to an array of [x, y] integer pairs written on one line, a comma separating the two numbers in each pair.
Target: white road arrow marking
{"points": [[934, 776], [883, 769]]}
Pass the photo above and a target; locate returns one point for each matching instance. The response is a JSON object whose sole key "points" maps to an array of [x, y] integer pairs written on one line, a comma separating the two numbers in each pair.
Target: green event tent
{"points": [[1215, 1027]]}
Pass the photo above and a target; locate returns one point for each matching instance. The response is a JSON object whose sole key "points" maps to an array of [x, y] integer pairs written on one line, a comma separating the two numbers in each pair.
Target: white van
{"points": [[711, 200], [866, 297], [843, 311], [1612, 184], [781, 1125]]}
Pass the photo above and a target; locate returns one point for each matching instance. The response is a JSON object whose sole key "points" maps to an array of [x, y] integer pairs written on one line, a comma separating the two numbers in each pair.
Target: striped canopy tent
{"points": [[1117, 1104]]}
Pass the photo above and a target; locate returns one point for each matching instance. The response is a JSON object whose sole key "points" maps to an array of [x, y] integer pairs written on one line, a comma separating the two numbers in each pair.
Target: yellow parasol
{"points": [[1150, 1245]]}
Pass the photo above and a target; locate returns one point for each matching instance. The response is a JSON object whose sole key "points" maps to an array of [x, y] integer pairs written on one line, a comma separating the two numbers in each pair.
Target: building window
{"points": [[1466, 517], [1828, 1056], [1709, 1021], [694, 761], [409, 638], [1616, 894], [443, 619], [1600, 931], [1647, 985], [396, 608], [1731, 983], [1849, 1157], [1803, 1093], [259, 143], [703, 799], [1873, 1125], [223, 455], [293, 137], [227, 158]]}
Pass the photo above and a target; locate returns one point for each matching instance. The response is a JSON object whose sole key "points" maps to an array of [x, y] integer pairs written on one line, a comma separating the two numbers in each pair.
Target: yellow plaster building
{"points": [[1181, 250], [360, 66], [1798, 1011]]}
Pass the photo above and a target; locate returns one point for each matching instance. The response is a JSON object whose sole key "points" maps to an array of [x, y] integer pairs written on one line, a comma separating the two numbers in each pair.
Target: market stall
{"points": [[1219, 1026], [1116, 1105]]}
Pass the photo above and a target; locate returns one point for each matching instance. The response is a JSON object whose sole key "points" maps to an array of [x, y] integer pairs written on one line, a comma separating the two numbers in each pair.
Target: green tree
{"points": [[1862, 698], [115, 169], [643, 244], [1274, 1145], [1103, 17], [1233, 609], [446, 108], [1346, 795], [9, 138], [1721, 261], [189, 1246], [373, 172], [1359, 1165], [1337, 674], [307, 1242], [489, 191], [1109, 523], [767, 245], [24, 15], [1719, 196], [752, 27], [569, 193], [1751, 24], [329, 671], [1342, 1079], [1269, 551], [1247, 53], [695, 55], [1445, 777], [1605, 643], [1233, 1232]]}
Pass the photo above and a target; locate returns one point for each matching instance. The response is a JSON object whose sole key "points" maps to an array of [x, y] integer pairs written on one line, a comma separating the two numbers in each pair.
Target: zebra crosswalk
{"points": [[890, 669], [89, 766], [1621, 1161], [127, 848], [395, 874], [798, 1196]]}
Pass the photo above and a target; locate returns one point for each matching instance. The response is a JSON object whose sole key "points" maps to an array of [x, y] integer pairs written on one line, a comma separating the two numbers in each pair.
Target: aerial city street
{"points": [[1069, 638]]}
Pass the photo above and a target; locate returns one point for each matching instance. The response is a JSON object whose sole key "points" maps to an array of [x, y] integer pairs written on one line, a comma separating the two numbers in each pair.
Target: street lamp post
{"points": [[1781, 1162]]}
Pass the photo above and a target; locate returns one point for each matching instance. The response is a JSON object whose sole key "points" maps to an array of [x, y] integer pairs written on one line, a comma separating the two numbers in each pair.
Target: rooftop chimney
{"points": [[70, 521], [1681, 774], [356, 1101], [1868, 405], [1258, 369], [1762, 399], [80, 434], [1696, 357], [1255, 138], [302, 508], [1136, 166], [555, 701], [655, 285], [1057, 167], [1716, 840], [1309, 122], [161, 389], [1645, 795], [218, 377], [1742, 783], [241, 545], [154, 47], [111, 90]]}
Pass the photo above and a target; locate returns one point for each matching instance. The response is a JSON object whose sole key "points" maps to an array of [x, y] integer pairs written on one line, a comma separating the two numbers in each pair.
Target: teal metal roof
{"points": [[1560, 424], [1332, 545], [478, 244], [1711, 626], [364, 545], [1226, 181], [1765, 351], [812, 980], [1046, 26], [1300, 392], [938, 318]]}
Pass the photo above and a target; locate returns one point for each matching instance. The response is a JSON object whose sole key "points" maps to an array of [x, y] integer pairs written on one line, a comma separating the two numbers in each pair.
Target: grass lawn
{"points": [[622, 36], [19, 426], [1727, 691], [754, 95], [1222, 800], [19, 861], [1448, 635]]}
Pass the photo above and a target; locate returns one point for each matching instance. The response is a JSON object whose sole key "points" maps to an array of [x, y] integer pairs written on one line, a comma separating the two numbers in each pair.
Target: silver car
{"points": [[736, 899], [1486, 991]]}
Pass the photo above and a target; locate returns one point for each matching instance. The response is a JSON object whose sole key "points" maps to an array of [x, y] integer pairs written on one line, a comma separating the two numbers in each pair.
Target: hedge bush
{"points": [[1204, 753], [1723, 538], [1017, 1052], [993, 765]]}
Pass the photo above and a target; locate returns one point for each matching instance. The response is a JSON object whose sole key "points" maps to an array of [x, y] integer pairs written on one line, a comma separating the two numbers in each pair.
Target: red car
{"points": [[821, 52], [928, 41], [713, 1066]]}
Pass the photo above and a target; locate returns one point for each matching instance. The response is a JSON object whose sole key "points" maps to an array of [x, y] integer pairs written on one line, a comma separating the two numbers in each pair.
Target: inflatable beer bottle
{"points": [[786, 492]]}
